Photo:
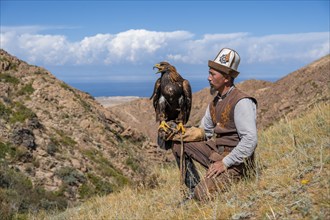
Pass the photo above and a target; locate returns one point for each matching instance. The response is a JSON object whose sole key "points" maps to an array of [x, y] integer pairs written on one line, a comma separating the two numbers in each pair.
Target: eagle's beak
{"points": [[158, 67]]}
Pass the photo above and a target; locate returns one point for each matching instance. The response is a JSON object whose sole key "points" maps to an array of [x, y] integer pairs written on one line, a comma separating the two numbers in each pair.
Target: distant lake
{"points": [[141, 89]]}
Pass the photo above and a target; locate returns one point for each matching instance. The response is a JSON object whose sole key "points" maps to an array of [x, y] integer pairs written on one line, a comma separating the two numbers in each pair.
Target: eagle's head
{"points": [[164, 67]]}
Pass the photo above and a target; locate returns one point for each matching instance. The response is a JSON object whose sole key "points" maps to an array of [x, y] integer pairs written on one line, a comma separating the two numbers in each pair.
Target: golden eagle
{"points": [[171, 97]]}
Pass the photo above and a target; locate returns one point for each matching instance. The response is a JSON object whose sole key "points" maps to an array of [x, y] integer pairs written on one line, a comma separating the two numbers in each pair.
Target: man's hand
{"points": [[215, 169]]}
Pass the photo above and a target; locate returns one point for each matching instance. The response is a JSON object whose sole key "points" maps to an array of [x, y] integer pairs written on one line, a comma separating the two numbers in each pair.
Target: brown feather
{"points": [[188, 100], [174, 75], [172, 96]]}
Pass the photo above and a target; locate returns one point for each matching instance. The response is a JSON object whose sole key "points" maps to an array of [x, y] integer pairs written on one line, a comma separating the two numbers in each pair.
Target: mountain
{"points": [[287, 97], [58, 144]]}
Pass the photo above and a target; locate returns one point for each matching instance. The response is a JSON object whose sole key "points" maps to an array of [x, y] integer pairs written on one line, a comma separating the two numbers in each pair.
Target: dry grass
{"points": [[293, 160]]}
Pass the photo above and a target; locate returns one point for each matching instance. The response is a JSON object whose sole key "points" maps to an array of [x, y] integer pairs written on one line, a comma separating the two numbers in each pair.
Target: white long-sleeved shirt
{"points": [[245, 116]]}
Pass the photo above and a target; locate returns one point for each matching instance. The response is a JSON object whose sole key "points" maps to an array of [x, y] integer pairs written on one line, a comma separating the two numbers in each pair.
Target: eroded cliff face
{"points": [[61, 140]]}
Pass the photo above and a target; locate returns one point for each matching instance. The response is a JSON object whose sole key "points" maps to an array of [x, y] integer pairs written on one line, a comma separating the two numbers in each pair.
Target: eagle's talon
{"points": [[163, 125], [181, 128]]}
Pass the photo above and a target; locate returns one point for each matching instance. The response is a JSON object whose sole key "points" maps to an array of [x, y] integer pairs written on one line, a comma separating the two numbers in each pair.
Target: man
{"points": [[230, 130]]}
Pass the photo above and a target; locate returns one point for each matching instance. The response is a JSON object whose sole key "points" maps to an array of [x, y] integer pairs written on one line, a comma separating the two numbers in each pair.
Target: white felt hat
{"points": [[226, 61]]}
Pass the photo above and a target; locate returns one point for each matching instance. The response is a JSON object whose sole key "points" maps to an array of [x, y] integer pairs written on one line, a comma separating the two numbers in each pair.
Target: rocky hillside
{"points": [[287, 97], [295, 93], [58, 144]]}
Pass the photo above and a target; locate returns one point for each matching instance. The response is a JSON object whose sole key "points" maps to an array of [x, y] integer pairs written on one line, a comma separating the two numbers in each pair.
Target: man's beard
{"points": [[212, 90]]}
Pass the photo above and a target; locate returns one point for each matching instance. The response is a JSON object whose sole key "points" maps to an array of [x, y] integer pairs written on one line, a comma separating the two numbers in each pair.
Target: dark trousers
{"points": [[205, 153]]}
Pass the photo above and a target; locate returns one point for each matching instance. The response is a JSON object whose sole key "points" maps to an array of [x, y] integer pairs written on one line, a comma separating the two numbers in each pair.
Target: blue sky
{"points": [[86, 43]]}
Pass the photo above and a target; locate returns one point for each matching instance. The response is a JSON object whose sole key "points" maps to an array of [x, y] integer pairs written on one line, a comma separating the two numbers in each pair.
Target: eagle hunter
{"points": [[171, 97]]}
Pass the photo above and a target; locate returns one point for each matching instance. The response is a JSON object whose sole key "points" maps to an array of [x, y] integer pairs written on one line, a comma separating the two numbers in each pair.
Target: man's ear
{"points": [[227, 78]]}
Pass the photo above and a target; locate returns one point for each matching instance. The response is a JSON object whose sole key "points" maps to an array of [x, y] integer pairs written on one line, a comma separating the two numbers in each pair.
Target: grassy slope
{"points": [[293, 160]]}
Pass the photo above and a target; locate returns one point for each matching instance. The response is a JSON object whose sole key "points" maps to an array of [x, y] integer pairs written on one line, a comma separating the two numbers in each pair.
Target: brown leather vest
{"points": [[222, 113]]}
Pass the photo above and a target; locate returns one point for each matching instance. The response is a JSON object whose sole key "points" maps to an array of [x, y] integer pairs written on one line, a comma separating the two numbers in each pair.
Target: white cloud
{"points": [[287, 47], [143, 46], [91, 50], [140, 45], [49, 48]]}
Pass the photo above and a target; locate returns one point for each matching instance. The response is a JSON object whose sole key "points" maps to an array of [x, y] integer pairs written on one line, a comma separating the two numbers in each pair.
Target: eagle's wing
{"points": [[155, 98], [156, 93], [187, 100]]}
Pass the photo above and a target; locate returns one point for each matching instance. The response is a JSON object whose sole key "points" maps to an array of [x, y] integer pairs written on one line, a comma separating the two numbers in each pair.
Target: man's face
{"points": [[217, 81]]}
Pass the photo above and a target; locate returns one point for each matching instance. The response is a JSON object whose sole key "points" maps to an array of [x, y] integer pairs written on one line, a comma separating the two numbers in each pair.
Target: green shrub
{"points": [[70, 176], [10, 178], [26, 90], [66, 86], [105, 168], [95, 186], [4, 112], [21, 113], [39, 72], [101, 187], [18, 196], [51, 148], [86, 190], [16, 112], [65, 140], [4, 77], [132, 163], [6, 150], [85, 105]]}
